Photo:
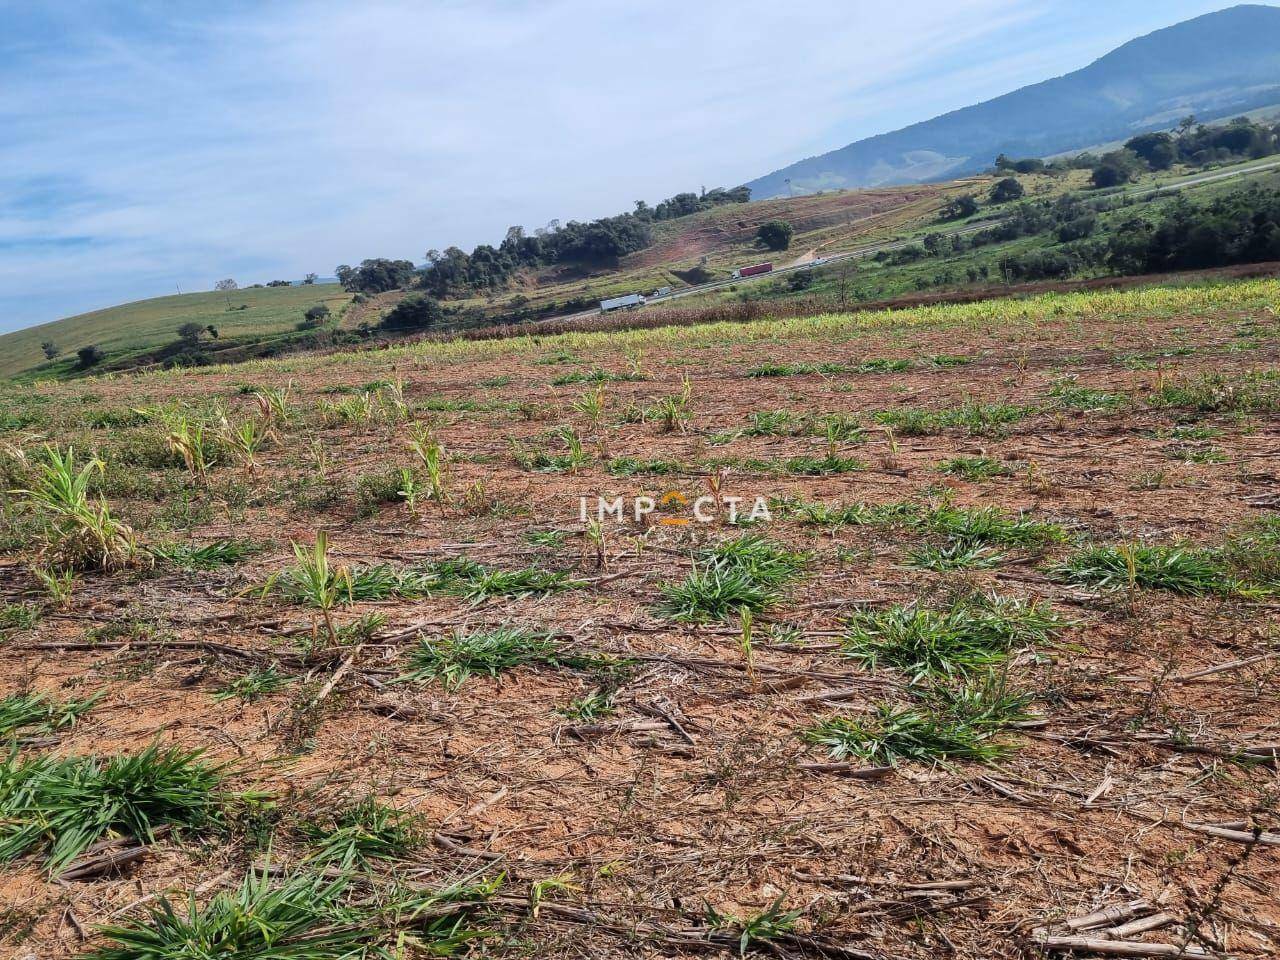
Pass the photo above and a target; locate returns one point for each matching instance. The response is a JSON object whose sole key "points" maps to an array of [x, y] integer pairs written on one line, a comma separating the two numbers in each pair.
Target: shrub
{"points": [[776, 234], [416, 312], [1006, 190], [89, 356]]}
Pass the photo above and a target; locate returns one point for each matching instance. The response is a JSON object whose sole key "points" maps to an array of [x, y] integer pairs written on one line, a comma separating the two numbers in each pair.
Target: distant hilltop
{"points": [[1213, 66]]}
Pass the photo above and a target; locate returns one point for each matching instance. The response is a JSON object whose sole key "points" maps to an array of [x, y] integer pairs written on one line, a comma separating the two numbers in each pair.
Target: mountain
{"points": [[1215, 65]]}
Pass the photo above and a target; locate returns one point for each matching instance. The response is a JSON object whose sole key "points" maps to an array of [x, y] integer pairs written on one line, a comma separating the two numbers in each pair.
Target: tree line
{"points": [[1191, 142], [455, 273], [1236, 227]]}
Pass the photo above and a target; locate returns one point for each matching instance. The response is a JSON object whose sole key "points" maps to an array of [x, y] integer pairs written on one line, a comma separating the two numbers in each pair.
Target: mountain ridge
{"points": [[1213, 65]]}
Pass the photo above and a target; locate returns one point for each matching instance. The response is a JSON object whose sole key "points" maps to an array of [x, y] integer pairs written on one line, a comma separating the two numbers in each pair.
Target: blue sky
{"points": [[148, 147]]}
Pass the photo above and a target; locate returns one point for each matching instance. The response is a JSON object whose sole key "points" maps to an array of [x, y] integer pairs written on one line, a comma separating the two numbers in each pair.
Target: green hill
{"points": [[134, 328]]}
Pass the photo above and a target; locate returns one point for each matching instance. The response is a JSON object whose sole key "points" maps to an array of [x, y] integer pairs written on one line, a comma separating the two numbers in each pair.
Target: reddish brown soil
{"points": [[1096, 808], [739, 225]]}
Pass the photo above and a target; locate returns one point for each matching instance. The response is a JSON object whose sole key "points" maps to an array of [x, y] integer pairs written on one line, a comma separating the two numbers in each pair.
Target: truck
{"points": [[618, 303], [660, 292], [755, 271]]}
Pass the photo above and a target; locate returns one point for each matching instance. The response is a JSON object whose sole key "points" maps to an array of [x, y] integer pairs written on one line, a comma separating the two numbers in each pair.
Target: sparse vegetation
{"points": [[1188, 570], [425, 656], [304, 916]]}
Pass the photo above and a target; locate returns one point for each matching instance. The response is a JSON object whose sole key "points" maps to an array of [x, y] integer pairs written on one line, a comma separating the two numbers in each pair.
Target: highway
{"points": [[861, 253]]}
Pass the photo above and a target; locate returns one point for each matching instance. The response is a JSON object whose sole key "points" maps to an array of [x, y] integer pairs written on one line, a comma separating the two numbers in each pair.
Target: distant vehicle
{"points": [[620, 303], [755, 271], [818, 261], [661, 292]]}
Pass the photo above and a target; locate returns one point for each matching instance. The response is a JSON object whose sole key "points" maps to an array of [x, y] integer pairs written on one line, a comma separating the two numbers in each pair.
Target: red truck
{"points": [[755, 271]]}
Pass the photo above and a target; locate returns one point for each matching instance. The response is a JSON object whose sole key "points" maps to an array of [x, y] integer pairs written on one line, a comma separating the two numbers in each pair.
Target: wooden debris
{"points": [[1121, 948]]}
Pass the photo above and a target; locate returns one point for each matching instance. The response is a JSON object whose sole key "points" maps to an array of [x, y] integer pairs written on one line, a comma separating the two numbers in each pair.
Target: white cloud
{"points": [[177, 147]]}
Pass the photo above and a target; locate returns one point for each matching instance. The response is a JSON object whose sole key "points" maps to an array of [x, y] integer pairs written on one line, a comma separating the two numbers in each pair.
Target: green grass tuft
{"points": [[253, 686], [988, 525], [974, 468], [1190, 571], [953, 556], [451, 659], [947, 724], [365, 831], [969, 636], [303, 917], [62, 805], [748, 573], [36, 713], [219, 553], [979, 419]]}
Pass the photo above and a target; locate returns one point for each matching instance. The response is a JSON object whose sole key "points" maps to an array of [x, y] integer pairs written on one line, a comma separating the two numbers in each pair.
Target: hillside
{"points": [[990, 673], [1219, 64], [147, 324]]}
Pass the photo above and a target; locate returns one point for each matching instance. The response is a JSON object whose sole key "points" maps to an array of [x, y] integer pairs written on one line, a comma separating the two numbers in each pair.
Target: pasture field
{"points": [[317, 658], [135, 327]]}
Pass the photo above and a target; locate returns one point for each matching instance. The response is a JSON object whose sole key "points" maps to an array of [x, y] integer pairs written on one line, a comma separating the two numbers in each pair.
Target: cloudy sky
{"points": [[147, 147]]}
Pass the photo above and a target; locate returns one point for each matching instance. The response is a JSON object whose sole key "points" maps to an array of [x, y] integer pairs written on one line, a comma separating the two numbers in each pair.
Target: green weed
{"points": [[37, 713], [747, 573], [62, 805], [360, 833], [253, 686], [1186, 570], [975, 469], [303, 917], [964, 724], [970, 635], [453, 658], [209, 556], [79, 531]]}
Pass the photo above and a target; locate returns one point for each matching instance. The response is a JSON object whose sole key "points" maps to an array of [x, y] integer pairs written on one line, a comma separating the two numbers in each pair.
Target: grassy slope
{"points": [[149, 323], [726, 237], [872, 280]]}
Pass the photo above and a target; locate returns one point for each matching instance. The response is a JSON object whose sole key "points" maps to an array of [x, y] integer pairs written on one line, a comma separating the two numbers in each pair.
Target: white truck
{"points": [[619, 303]]}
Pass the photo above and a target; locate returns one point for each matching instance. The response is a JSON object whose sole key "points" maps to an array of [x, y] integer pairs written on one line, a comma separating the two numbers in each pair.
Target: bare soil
{"points": [[700, 790]]}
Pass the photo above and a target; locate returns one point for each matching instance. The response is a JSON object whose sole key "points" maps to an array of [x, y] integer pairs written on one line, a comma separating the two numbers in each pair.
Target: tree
{"points": [[345, 274], [776, 234], [212, 331], [190, 332], [933, 243], [417, 312], [800, 280], [1006, 190], [89, 357], [309, 279], [377, 275], [957, 208], [316, 315], [1157, 149], [1116, 168], [225, 286], [50, 349]]}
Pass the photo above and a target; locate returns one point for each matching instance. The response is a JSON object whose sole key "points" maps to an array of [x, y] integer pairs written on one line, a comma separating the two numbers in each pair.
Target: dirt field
{"points": [[1061, 510], [845, 215]]}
